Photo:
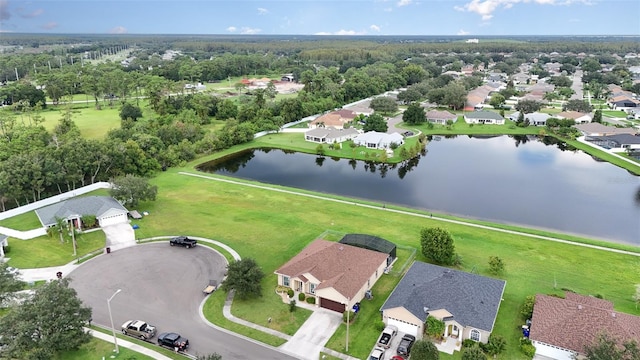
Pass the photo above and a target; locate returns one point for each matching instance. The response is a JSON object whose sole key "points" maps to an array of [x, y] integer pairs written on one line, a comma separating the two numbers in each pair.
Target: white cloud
{"points": [[263, 11], [375, 28], [462, 32], [404, 2], [486, 8], [342, 32], [50, 25], [118, 30], [249, 31], [232, 29]]}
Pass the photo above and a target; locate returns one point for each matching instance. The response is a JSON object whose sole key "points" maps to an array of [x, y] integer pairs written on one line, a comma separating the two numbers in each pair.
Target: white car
{"points": [[13, 271], [377, 354]]}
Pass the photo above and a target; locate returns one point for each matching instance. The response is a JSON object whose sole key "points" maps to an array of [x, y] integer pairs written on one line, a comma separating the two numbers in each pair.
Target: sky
{"points": [[323, 17]]}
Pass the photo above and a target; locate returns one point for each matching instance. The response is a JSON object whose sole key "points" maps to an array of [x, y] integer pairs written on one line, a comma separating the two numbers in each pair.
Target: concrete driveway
{"points": [[163, 286], [309, 340], [119, 236]]}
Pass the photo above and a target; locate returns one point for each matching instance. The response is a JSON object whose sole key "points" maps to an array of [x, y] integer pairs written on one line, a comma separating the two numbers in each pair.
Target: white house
{"points": [[106, 209], [330, 135], [378, 140], [578, 117], [483, 117], [535, 118]]}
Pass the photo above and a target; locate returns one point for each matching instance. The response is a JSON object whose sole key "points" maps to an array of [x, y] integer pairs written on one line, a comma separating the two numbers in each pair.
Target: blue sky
{"points": [[313, 17]]}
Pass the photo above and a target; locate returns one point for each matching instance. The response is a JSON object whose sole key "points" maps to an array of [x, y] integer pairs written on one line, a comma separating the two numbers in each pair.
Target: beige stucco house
{"points": [[337, 275]]}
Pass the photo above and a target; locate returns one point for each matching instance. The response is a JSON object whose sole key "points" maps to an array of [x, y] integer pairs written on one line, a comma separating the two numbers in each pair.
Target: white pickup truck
{"points": [[387, 335]]}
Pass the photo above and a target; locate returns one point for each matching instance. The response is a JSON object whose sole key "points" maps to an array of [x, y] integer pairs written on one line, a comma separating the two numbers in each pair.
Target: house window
{"points": [[285, 280], [475, 335], [312, 288]]}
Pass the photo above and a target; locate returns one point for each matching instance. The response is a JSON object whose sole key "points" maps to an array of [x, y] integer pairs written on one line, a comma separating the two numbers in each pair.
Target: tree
{"points": [[9, 283], [473, 353], [455, 95], [606, 348], [496, 265], [496, 345], [528, 106], [424, 350], [414, 115], [437, 245], [375, 122], [577, 105], [497, 101], [597, 116], [52, 321], [384, 104], [527, 307], [410, 95], [130, 111], [244, 276], [131, 189]]}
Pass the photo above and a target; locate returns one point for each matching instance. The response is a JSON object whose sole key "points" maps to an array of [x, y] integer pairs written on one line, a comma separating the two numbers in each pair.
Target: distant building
{"points": [[472, 41]]}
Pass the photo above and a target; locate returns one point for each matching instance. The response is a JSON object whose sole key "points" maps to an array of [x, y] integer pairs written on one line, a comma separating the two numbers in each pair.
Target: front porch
{"points": [[449, 345]]}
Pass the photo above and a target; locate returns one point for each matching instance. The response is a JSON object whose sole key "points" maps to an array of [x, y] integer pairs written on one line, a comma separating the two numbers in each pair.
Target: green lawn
{"points": [[614, 113], [99, 349], [23, 222], [272, 227], [462, 128], [93, 124]]}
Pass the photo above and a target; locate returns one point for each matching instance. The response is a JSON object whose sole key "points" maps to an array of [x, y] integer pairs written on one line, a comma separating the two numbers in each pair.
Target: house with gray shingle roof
{"points": [[483, 117], [467, 303], [440, 117], [106, 209]]}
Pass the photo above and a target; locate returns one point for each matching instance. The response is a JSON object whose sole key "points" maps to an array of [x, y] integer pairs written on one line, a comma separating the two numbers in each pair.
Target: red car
{"points": [[397, 357]]}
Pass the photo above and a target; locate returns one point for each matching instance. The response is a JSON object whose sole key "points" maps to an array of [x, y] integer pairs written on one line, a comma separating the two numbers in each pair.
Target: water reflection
{"points": [[516, 179]]}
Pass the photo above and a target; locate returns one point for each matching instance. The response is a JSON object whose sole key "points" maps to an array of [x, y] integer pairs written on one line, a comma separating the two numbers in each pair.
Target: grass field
{"points": [[462, 128], [99, 349], [93, 124]]}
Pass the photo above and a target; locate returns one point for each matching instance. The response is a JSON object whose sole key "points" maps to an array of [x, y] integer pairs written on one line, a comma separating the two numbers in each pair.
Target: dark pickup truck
{"points": [[183, 241]]}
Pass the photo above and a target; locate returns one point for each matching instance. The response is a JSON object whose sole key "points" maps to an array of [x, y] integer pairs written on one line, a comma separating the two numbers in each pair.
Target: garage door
{"points": [[403, 326], [551, 352], [113, 219], [331, 305]]}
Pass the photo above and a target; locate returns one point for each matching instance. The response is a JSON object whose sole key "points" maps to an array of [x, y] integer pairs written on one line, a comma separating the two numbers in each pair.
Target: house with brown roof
{"points": [[335, 119], [578, 117], [597, 129], [561, 328], [337, 275], [440, 117]]}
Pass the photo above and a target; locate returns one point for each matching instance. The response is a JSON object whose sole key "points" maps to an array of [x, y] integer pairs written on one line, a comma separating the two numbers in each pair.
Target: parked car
{"points": [[387, 335], [405, 344], [377, 354], [173, 340], [183, 241], [397, 357], [139, 329]]}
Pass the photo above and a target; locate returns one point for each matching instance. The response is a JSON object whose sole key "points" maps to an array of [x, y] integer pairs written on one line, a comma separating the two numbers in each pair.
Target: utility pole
{"points": [[49, 62]]}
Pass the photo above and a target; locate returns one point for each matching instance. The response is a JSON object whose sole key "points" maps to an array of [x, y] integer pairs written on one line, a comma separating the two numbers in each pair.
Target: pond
{"points": [[505, 179]]}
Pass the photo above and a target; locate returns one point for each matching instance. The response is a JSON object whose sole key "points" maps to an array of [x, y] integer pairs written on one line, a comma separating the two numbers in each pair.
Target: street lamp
{"points": [[113, 329]]}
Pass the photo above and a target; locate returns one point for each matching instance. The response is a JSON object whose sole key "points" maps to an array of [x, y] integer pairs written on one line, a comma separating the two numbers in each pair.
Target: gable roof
{"points": [[343, 267], [572, 115], [473, 300], [577, 320], [483, 115], [80, 206], [331, 132], [441, 115]]}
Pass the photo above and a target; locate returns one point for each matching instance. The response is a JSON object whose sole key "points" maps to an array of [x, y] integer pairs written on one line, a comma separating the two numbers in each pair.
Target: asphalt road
{"points": [[163, 286]]}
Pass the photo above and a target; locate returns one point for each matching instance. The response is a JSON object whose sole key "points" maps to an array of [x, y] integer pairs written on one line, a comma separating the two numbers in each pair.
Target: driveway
{"points": [[163, 286], [309, 340], [119, 236]]}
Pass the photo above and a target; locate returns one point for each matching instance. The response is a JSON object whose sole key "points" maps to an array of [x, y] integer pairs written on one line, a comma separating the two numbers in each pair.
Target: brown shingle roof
{"points": [[570, 115], [577, 320], [441, 115], [345, 268], [331, 119]]}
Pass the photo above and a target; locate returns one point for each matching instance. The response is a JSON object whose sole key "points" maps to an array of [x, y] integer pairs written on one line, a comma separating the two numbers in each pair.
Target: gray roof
{"points": [[473, 300], [81, 206], [483, 115], [331, 132]]}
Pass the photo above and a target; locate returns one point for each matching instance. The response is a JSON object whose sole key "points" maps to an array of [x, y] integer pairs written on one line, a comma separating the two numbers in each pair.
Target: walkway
{"points": [[404, 212]]}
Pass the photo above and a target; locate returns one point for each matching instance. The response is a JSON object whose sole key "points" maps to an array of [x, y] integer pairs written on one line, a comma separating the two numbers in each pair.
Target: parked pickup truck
{"points": [[183, 241], [387, 335], [139, 329], [405, 344]]}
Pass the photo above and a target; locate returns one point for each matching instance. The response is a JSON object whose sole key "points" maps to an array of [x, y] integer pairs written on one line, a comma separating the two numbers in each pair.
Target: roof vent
{"points": [[613, 314], [579, 307], [426, 310], [341, 248]]}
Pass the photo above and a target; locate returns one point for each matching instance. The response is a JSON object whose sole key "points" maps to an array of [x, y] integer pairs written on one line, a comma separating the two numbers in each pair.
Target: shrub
{"points": [[311, 300], [281, 289], [525, 341], [301, 297], [529, 350], [468, 343], [351, 315], [292, 305], [89, 221], [527, 307], [290, 293], [380, 326], [435, 327]]}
